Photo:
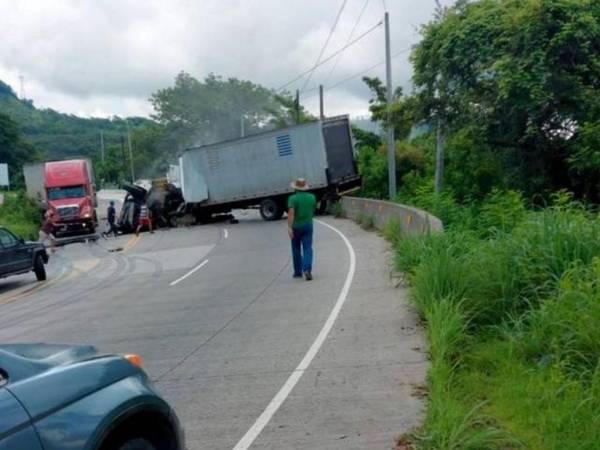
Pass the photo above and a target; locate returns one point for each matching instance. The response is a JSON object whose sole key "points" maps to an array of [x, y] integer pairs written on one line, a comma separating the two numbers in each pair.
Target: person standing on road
{"points": [[144, 219], [301, 210], [45, 233], [111, 215]]}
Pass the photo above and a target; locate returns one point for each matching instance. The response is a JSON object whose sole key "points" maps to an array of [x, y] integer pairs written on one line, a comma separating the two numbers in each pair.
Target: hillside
{"points": [[58, 135]]}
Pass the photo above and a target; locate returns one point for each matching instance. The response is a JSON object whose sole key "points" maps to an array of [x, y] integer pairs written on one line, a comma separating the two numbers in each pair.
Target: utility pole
{"points": [[322, 111], [439, 158], [242, 130], [102, 144], [297, 105], [130, 151], [390, 130]]}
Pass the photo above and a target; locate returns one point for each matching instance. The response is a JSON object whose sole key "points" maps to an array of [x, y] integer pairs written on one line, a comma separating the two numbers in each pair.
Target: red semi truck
{"points": [[67, 189]]}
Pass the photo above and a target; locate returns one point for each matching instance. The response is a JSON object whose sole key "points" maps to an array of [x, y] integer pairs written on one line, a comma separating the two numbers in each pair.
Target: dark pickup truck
{"points": [[18, 256]]}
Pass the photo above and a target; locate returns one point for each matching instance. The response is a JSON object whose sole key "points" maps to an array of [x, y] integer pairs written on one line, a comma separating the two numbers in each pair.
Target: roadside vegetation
{"points": [[20, 215], [510, 292], [513, 321]]}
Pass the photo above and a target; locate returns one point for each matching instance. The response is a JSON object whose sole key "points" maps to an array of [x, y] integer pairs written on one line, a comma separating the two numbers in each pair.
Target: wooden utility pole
{"points": [[297, 105], [391, 153], [130, 151], [321, 110], [102, 144]]}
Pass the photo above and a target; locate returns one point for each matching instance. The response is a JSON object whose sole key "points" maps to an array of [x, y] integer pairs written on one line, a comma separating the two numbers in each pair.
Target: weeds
{"points": [[337, 210], [511, 299], [366, 221], [20, 215], [392, 231]]}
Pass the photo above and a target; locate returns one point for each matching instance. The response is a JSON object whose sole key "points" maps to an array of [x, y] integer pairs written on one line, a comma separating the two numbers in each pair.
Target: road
{"points": [[247, 355]]}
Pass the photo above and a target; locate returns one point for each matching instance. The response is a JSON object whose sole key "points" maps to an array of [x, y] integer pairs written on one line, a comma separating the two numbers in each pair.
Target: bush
{"points": [[512, 303], [366, 221], [336, 210], [20, 215]]}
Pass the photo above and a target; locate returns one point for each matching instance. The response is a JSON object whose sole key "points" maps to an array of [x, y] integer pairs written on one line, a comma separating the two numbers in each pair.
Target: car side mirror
{"points": [[21, 240]]}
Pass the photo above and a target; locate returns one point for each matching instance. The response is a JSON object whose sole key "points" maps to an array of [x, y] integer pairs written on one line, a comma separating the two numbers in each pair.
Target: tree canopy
{"points": [[523, 76], [197, 112]]}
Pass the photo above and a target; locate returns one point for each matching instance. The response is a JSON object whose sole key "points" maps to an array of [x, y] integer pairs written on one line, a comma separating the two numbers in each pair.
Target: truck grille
{"points": [[68, 212]]}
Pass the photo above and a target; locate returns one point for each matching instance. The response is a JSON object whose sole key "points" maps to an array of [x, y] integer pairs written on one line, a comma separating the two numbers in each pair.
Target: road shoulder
{"points": [[359, 390]]}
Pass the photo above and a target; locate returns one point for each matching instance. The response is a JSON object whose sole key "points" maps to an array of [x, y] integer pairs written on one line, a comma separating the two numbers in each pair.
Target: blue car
{"points": [[59, 397]]}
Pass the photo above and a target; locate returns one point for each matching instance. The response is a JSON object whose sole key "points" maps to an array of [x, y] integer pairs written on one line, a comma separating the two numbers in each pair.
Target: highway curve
{"points": [[248, 356]]}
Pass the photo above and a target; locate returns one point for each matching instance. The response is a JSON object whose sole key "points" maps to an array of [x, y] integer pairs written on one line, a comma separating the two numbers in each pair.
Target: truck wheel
{"points": [[270, 209], [38, 267]]}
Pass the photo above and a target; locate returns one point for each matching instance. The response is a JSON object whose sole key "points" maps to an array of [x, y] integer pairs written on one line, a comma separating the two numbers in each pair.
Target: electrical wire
{"points": [[337, 60], [337, 19], [384, 6], [330, 57], [356, 75]]}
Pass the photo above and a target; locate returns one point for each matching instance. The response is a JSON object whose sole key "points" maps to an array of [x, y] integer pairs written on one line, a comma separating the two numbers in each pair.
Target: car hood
{"points": [[27, 360], [45, 377]]}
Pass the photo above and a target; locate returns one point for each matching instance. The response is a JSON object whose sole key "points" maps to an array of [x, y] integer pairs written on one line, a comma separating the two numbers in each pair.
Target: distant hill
{"points": [[60, 136]]}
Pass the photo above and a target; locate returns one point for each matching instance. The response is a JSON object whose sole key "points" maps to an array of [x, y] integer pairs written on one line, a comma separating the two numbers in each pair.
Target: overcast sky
{"points": [[105, 57]]}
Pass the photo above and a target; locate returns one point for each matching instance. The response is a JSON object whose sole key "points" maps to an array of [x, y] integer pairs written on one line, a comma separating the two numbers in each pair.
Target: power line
{"points": [[384, 6], [349, 39], [337, 19], [333, 55], [356, 75]]}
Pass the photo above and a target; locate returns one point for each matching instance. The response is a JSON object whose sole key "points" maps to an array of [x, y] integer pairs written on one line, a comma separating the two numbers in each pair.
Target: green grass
{"points": [[512, 307], [337, 210], [366, 221], [20, 215]]}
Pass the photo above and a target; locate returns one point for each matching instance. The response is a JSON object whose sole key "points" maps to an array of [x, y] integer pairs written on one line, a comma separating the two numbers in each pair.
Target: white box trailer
{"points": [[257, 170], [34, 182]]}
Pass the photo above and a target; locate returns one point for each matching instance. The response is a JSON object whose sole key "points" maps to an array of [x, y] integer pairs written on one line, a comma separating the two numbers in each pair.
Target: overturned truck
{"points": [[256, 171]]}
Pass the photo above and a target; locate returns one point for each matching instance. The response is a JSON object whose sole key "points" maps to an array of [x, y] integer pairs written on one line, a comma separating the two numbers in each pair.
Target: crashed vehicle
{"points": [[164, 201]]}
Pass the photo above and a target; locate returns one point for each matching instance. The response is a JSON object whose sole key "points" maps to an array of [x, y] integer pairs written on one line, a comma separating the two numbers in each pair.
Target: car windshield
{"points": [[66, 192]]}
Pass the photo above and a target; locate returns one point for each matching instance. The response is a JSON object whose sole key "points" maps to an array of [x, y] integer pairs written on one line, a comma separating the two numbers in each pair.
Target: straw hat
{"points": [[300, 185]]}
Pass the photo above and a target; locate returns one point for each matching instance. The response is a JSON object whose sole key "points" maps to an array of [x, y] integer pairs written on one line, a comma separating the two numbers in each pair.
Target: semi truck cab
{"points": [[70, 195]]}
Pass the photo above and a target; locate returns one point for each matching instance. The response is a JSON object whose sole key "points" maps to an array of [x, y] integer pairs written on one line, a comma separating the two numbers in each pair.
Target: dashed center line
{"points": [[191, 272], [225, 233]]}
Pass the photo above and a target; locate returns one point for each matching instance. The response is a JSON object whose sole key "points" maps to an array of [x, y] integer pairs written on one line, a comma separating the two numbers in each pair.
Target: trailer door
{"points": [[340, 153]]}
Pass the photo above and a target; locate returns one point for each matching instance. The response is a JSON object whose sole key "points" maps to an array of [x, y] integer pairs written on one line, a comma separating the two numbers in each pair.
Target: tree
{"points": [[401, 110], [526, 73], [200, 112]]}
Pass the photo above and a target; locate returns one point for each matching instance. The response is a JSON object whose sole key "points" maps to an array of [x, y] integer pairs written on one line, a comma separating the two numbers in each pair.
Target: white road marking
{"points": [[194, 270], [293, 379], [226, 233]]}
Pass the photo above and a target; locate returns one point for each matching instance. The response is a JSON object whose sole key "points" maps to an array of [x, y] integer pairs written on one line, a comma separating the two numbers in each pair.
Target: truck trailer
{"points": [[65, 188], [256, 171]]}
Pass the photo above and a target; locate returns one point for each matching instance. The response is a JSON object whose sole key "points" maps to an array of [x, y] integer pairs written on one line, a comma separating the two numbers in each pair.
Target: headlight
{"points": [[87, 215]]}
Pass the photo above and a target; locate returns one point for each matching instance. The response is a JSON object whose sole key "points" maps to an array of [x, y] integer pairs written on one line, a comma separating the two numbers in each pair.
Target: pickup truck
{"points": [[18, 256]]}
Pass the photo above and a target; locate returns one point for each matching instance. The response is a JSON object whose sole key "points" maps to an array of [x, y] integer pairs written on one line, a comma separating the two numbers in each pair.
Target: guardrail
{"points": [[412, 221]]}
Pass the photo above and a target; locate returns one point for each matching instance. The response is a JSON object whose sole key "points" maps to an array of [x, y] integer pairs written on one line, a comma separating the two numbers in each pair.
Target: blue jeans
{"points": [[302, 252]]}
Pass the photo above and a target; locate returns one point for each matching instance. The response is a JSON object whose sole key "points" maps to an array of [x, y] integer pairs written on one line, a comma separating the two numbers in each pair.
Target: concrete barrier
{"points": [[413, 221]]}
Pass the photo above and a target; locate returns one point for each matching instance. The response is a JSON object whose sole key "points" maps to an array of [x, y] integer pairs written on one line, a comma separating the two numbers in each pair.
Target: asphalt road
{"points": [[248, 356]]}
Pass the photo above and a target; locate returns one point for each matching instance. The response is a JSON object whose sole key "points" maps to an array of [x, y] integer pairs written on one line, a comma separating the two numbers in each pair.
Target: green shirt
{"points": [[304, 205]]}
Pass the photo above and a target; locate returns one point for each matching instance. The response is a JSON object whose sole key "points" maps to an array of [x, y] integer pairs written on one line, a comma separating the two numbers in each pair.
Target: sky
{"points": [[106, 57]]}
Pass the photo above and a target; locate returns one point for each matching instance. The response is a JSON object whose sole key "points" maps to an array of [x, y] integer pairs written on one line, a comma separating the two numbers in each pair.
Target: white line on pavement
{"points": [[198, 267], [226, 233], [287, 387]]}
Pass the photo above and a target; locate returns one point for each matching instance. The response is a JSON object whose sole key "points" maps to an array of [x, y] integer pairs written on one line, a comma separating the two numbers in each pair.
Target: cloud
{"points": [[107, 57]]}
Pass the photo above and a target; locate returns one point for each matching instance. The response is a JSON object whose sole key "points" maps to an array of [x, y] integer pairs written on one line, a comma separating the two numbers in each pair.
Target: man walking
{"points": [[111, 215], [301, 209], [45, 233]]}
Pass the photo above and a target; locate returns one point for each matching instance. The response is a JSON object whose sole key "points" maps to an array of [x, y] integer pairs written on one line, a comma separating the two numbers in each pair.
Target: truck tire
{"points": [[270, 209], [38, 267]]}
